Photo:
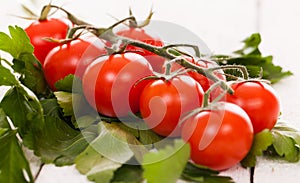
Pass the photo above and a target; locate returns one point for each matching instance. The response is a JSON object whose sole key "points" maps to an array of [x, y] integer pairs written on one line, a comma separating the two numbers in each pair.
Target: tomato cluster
{"points": [[220, 134]]}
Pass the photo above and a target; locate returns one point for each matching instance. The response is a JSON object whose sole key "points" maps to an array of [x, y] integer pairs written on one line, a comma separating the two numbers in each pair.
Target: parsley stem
{"points": [[38, 172], [6, 61]]}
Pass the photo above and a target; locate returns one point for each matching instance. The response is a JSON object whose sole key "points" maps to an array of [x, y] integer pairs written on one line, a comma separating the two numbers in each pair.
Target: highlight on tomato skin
{"points": [[70, 58], [164, 102], [38, 30], [111, 85], [219, 139], [260, 102]]}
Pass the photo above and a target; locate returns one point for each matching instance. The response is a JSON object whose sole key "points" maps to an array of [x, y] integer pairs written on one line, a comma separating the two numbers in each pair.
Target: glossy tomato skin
{"points": [[259, 100], [219, 139], [110, 84], [70, 58], [141, 35], [49, 28], [163, 103]]}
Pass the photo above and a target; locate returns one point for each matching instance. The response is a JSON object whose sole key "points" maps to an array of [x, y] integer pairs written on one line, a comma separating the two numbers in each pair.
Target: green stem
{"points": [[206, 96], [6, 61], [72, 31], [71, 17], [240, 68], [170, 54], [194, 47], [39, 171]]}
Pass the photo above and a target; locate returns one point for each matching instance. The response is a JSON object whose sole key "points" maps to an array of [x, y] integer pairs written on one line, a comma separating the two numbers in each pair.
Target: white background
{"points": [[221, 25]]}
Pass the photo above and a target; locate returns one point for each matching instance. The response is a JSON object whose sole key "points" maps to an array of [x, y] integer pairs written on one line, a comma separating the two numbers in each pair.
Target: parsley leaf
{"points": [[31, 75], [167, 164], [251, 57], [146, 137], [73, 105], [57, 142], [99, 162], [200, 174], [128, 174], [286, 142], [96, 167], [261, 142], [122, 144], [14, 166], [29, 115], [70, 83], [7, 78], [3, 120], [17, 43]]}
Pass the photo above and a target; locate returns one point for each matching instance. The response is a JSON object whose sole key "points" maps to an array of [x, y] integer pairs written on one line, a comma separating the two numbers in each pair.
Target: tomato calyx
{"points": [[46, 10], [206, 104], [133, 22], [62, 41]]}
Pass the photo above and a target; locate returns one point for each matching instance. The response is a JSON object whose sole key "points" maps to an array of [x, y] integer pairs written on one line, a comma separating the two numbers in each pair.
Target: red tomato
{"points": [[203, 80], [141, 35], [70, 58], [49, 28], [110, 86], [259, 100], [164, 102], [220, 138]]}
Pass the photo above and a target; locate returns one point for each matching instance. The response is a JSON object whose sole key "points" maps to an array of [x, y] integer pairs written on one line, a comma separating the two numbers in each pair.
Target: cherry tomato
{"points": [[259, 100], [49, 28], [110, 84], [164, 102], [141, 35], [70, 58], [219, 138]]}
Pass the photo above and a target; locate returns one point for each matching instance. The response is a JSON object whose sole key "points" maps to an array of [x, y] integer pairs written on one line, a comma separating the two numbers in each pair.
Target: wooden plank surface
{"points": [[221, 25]]}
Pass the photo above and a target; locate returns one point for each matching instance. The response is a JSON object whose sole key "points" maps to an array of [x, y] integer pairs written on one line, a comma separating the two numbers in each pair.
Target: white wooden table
{"points": [[222, 25]]}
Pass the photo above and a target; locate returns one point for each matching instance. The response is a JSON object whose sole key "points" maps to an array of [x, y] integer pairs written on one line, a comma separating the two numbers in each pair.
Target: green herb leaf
{"points": [[251, 57], [17, 43], [119, 142], [31, 74], [73, 105], [14, 167], [146, 137], [128, 174], [29, 115], [64, 100], [101, 164], [96, 167], [286, 130], [261, 142], [3, 119], [86, 121], [7, 78], [286, 142], [167, 164], [70, 83], [51, 108], [57, 142], [201, 174]]}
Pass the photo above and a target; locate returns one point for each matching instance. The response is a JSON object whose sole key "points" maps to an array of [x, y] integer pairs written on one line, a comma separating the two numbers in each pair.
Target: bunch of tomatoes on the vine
{"points": [[170, 89]]}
